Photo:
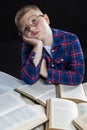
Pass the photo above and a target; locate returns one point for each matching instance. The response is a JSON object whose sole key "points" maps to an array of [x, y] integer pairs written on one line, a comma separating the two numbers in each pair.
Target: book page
{"points": [[85, 88], [75, 93], [4, 89], [40, 107], [61, 114], [50, 94], [41, 127], [82, 108], [27, 100], [9, 102], [81, 122], [36, 90], [9, 80], [24, 118]]}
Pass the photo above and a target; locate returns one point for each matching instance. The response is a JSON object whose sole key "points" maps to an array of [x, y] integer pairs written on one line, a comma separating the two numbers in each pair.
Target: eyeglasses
{"points": [[33, 21]]}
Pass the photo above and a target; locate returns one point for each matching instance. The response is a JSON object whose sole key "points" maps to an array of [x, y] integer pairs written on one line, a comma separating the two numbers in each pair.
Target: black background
{"points": [[69, 15]]}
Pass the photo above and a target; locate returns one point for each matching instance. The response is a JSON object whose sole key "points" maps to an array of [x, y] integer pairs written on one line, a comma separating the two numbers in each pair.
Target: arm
{"points": [[71, 73], [38, 46], [43, 69], [31, 60]]}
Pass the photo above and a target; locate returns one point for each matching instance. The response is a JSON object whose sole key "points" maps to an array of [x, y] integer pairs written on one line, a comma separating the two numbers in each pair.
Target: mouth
{"points": [[35, 33]]}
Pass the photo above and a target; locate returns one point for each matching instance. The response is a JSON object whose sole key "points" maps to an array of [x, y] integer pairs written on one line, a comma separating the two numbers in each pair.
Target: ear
{"points": [[47, 18]]}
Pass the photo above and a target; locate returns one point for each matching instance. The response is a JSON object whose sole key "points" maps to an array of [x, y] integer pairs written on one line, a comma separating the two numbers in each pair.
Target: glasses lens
{"points": [[34, 20]]}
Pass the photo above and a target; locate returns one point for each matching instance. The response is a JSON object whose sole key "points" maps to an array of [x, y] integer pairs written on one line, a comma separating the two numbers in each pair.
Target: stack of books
{"points": [[41, 106]]}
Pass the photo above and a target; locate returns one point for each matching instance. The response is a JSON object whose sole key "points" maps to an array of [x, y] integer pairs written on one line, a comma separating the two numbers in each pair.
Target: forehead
{"points": [[30, 13], [27, 15]]}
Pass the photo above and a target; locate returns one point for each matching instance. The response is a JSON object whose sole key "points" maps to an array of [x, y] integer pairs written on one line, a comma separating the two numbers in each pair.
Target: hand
{"points": [[43, 70], [37, 48], [32, 41]]}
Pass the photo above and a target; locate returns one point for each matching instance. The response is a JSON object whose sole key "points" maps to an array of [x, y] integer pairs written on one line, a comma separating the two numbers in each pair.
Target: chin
{"points": [[38, 38]]}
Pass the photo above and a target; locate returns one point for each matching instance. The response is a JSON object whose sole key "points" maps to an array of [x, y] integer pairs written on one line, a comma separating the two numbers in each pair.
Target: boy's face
{"points": [[35, 25]]}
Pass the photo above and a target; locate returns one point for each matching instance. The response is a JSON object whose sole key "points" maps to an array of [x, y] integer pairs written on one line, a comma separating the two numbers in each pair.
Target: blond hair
{"points": [[23, 11]]}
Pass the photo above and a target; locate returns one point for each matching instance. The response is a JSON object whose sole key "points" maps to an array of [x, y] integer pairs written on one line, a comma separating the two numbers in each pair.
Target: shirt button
{"points": [[52, 50], [52, 65], [62, 59], [49, 82]]}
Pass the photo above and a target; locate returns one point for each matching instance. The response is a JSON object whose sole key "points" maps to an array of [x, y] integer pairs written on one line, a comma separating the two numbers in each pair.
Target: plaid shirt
{"points": [[66, 66]]}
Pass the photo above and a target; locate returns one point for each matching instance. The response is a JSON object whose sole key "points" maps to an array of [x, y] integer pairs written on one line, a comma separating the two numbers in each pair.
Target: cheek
{"points": [[28, 35], [43, 25], [44, 29]]}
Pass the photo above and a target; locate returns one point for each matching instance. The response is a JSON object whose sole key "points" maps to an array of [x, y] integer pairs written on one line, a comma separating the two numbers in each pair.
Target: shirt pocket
{"points": [[62, 62]]}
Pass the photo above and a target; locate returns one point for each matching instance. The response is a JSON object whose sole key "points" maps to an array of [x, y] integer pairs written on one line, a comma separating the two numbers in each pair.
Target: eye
{"points": [[34, 21], [26, 29]]}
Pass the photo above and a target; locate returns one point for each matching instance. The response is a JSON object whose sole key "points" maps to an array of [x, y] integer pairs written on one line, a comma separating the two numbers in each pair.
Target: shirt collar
{"points": [[57, 37]]}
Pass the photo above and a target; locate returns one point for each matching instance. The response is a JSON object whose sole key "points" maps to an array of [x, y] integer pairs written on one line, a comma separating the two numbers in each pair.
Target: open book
{"points": [[38, 92], [76, 93], [61, 113], [41, 127], [4, 89], [81, 122], [9, 82], [15, 114]]}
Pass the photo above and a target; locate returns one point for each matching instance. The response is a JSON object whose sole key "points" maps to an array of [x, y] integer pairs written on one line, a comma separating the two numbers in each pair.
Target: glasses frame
{"points": [[25, 27]]}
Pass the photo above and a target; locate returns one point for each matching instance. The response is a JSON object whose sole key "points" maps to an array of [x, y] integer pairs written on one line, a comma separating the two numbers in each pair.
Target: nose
{"points": [[32, 28]]}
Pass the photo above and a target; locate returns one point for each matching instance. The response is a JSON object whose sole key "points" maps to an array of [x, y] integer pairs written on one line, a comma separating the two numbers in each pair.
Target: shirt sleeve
{"points": [[75, 73], [29, 73]]}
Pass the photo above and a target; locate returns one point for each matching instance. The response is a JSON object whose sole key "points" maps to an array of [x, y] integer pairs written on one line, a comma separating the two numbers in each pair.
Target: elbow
{"points": [[29, 77], [29, 80], [78, 79]]}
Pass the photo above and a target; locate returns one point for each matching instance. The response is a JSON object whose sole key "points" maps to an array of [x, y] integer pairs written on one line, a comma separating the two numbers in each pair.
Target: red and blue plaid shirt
{"points": [[66, 66]]}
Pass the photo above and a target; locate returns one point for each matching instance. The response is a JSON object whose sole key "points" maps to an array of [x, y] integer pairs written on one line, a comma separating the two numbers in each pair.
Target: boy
{"points": [[53, 54]]}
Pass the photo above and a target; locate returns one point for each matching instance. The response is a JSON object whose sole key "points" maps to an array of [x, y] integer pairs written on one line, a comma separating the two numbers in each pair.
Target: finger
{"points": [[44, 61]]}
